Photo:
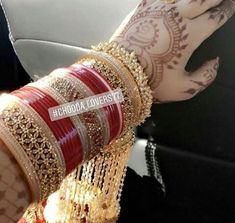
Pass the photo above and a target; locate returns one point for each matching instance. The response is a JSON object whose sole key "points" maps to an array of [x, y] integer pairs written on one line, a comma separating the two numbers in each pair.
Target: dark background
{"points": [[12, 74]]}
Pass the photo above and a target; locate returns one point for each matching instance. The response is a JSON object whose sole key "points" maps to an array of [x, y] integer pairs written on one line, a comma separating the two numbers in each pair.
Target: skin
{"points": [[164, 36], [15, 195]]}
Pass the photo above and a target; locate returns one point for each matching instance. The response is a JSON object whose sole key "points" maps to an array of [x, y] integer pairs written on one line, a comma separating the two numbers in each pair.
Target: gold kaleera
{"points": [[92, 192]]}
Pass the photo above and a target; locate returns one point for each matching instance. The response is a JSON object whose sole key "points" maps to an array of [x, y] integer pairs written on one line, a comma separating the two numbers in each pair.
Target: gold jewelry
{"points": [[92, 192], [119, 77], [44, 85], [88, 125], [78, 85], [95, 122], [131, 62], [35, 148], [115, 82]]}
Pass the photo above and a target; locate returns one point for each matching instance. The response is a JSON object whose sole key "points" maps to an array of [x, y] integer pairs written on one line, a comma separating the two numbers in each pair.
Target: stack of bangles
{"points": [[46, 150]]}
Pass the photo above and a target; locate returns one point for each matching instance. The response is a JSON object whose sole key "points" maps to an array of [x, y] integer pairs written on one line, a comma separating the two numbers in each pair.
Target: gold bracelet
{"points": [[131, 62]]}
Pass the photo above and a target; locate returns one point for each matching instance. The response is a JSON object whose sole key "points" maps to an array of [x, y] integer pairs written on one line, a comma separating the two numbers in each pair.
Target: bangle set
{"points": [[130, 61], [98, 85], [118, 78], [98, 140]]}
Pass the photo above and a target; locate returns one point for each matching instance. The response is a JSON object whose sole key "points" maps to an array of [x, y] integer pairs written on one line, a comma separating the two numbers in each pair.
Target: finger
{"points": [[194, 8], [187, 86], [200, 79], [212, 20]]}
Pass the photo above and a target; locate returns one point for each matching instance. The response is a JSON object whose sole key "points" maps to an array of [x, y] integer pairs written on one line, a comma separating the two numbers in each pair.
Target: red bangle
{"points": [[80, 74], [120, 114], [63, 129], [98, 85]]}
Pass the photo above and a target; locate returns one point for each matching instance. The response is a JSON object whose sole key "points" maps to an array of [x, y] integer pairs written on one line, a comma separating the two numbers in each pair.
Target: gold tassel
{"points": [[92, 192]]}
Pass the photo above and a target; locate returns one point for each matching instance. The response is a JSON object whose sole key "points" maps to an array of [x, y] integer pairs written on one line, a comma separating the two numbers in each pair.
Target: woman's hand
{"points": [[164, 36]]}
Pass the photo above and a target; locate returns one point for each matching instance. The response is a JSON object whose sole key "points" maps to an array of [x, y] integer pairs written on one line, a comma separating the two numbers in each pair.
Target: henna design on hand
{"points": [[223, 11], [208, 76], [164, 36], [143, 3], [143, 36]]}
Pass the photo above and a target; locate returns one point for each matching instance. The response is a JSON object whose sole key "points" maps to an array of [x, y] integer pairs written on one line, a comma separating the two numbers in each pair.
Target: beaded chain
{"points": [[153, 164]]}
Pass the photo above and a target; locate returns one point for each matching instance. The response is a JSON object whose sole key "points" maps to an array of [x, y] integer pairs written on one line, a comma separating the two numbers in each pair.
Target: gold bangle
{"points": [[78, 124], [103, 70], [88, 125], [131, 62], [99, 113], [96, 124], [37, 147], [114, 72]]}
